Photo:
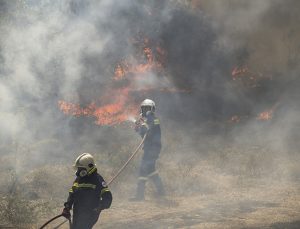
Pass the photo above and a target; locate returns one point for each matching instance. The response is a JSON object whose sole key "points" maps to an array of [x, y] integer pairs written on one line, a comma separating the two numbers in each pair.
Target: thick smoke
{"points": [[69, 49], [53, 50]]}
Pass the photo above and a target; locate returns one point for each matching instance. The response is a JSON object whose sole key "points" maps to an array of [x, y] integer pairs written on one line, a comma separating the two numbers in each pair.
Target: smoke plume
{"points": [[215, 68]]}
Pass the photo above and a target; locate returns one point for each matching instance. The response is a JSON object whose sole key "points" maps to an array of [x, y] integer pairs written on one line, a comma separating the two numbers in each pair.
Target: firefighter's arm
{"points": [[105, 198], [141, 127], [69, 203], [148, 123]]}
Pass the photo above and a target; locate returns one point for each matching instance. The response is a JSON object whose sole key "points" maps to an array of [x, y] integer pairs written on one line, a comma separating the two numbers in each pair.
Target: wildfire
{"points": [[251, 79], [120, 110], [148, 62], [75, 109], [112, 114], [263, 116], [248, 78], [119, 72], [239, 72], [119, 106], [266, 115]]}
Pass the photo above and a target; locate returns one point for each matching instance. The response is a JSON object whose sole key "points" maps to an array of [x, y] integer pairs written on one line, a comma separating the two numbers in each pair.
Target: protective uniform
{"points": [[149, 124], [89, 194]]}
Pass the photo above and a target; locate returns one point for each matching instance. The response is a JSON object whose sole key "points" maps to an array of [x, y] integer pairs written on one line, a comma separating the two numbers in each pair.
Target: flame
{"points": [[266, 115], [263, 116], [239, 72], [251, 79], [112, 114], [148, 62], [109, 114], [119, 106], [245, 76], [75, 109], [119, 72]]}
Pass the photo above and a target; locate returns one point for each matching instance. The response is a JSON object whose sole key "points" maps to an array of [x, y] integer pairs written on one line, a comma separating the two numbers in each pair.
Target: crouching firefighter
{"points": [[149, 124], [89, 194]]}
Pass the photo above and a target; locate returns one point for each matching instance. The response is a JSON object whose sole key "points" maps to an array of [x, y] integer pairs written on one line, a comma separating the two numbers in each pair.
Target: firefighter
{"points": [[89, 194], [150, 124]]}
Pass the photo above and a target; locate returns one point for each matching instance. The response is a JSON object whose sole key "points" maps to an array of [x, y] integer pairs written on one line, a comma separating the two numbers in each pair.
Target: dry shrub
{"points": [[20, 212]]}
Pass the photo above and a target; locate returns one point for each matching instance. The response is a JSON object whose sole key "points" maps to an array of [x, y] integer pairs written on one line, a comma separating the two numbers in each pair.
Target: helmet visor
{"points": [[144, 109], [81, 172]]}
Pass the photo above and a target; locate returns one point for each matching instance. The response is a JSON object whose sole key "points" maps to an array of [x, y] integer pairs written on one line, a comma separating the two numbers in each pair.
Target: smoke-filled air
{"points": [[222, 82]]}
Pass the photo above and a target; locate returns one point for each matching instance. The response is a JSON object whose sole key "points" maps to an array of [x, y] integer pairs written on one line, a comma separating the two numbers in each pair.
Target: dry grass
{"points": [[230, 186]]}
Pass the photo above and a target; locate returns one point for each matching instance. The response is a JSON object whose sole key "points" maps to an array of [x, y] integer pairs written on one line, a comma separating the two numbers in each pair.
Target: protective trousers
{"points": [[85, 220], [148, 172]]}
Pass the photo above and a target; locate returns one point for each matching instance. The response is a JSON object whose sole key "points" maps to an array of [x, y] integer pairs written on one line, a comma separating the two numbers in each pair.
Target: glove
{"points": [[138, 124], [137, 127], [66, 213]]}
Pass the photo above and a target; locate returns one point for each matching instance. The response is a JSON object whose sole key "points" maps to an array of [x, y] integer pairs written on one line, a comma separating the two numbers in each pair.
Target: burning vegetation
{"points": [[230, 117], [132, 75], [122, 105], [243, 77]]}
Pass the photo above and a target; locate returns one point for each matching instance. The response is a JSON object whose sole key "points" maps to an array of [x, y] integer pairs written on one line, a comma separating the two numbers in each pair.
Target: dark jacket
{"points": [[89, 193], [151, 125]]}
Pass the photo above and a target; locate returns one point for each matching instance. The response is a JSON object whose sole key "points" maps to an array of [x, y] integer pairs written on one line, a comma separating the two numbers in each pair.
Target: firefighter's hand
{"points": [[66, 213], [137, 125]]}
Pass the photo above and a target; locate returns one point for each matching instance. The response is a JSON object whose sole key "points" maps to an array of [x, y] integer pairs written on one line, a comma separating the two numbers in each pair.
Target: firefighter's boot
{"points": [[158, 185], [140, 190]]}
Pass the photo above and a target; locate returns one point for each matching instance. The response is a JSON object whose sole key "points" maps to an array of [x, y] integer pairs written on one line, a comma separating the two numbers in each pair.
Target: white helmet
{"points": [[147, 105], [84, 164]]}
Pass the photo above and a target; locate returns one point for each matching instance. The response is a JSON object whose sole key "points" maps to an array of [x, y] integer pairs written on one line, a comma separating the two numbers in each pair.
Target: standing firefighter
{"points": [[89, 194], [149, 124]]}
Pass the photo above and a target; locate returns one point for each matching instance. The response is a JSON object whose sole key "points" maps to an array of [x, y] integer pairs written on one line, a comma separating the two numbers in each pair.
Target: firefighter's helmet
{"points": [[147, 105], [84, 164]]}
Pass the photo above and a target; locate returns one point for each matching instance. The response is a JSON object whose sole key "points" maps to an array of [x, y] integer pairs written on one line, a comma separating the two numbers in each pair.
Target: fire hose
{"points": [[54, 218], [111, 180], [129, 159]]}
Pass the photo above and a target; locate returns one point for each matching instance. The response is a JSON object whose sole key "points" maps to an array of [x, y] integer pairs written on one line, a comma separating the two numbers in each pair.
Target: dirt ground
{"points": [[262, 206], [253, 206], [250, 189]]}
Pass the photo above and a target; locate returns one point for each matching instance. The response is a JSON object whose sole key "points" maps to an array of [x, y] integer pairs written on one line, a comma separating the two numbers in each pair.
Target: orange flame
{"points": [[266, 115], [119, 72], [109, 114], [121, 106], [152, 62], [247, 77], [239, 72]]}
